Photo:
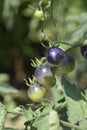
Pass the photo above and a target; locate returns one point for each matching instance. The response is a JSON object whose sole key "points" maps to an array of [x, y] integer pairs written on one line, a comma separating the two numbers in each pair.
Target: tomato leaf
{"points": [[84, 94], [53, 120], [76, 105], [41, 121], [57, 92], [28, 114], [3, 113], [49, 121], [83, 124], [6, 88]]}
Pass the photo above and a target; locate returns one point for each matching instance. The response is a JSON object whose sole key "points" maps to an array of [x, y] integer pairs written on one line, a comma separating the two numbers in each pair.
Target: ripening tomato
{"points": [[36, 92], [68, 65], [45, 76]]}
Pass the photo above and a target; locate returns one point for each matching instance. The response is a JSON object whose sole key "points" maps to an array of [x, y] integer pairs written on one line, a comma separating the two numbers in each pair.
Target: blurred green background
{"points": [[20, 40]]}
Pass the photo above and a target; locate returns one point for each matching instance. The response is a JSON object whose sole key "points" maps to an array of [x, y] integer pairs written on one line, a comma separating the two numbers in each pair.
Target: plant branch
{"points": [[73, 46], [12, 112], [70, 125], [51, 12]]}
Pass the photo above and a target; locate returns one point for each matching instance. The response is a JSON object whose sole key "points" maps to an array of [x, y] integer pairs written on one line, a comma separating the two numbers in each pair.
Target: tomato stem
{"points": [[73, 46], [70, 125]]}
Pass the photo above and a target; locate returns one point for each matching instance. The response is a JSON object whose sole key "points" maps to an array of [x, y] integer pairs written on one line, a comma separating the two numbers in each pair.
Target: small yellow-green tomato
{"points": [[39, 14], [36, 92]]}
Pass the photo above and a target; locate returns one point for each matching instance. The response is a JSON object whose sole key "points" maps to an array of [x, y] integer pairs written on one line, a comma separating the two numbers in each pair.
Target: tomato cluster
{"points": [[45, 73]]}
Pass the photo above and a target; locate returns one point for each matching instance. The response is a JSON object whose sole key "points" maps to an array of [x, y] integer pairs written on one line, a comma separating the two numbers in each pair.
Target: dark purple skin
{"points": [[68, 60], [84, 51], [45, 76], [55, 56]]}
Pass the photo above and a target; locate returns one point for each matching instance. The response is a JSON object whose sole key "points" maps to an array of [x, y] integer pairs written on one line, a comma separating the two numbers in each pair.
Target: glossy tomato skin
{"points": [[45, 76], [83, 50], [68, 65], [36, 92], [55, 56], [39, 14]]}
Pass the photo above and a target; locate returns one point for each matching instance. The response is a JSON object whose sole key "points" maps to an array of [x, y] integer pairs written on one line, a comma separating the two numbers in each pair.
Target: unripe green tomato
{"points": [[36, 92], [68, 65], [39, 14]]}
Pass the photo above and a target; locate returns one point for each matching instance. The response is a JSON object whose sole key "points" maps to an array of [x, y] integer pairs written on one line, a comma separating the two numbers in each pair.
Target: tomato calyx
{"points": [[30, 81], [37, 63]]}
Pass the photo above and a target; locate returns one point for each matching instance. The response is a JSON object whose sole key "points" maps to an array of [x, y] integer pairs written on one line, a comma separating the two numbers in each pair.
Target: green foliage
{"points": [[3, 112], [9, 129], [6, 88], [50, 121], [76, 104], [83, 124], [28, 114], [48, 114], [57, 92]]}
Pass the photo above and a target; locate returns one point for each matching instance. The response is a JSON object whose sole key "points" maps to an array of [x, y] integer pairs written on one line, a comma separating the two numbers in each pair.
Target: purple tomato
{"points": [[45, 76], [55, 56]]}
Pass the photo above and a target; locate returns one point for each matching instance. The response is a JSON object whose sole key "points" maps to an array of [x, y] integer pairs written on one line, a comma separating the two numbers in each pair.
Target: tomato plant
{"points": [[65, 106]]}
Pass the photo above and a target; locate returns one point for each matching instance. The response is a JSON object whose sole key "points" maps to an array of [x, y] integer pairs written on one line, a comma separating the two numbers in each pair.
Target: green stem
{"points": [[3, 114], [70, 125], [63, 105], [51, 12], [44, 37], [73, 46], [42, 28], [14, 113], [60, 106], [67, 43]]}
